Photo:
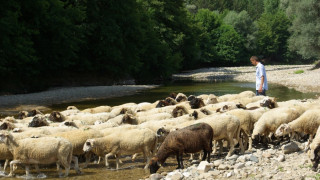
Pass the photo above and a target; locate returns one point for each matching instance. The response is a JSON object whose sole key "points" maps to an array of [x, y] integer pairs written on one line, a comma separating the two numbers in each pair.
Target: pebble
{"points": [[216, 163], [281, 158]]}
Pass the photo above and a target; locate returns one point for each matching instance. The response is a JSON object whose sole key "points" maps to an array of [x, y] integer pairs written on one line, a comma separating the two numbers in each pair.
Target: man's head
{"points": [[254, 60]]}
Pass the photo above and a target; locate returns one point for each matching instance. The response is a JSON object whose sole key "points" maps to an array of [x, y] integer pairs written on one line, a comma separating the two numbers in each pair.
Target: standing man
{"points": [[261, 76]]}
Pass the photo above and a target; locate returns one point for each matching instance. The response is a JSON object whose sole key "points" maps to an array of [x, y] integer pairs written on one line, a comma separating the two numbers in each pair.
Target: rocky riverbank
{"points": [[299, 77], [288, 161]]}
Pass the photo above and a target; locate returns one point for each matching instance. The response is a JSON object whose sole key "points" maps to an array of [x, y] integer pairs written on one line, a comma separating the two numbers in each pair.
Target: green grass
{"points": [[280, 168], [317, 176], [299, 72]]}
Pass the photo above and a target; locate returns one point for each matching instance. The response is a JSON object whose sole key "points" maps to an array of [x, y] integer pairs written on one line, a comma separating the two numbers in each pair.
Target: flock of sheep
{"points": [[173, 126]]}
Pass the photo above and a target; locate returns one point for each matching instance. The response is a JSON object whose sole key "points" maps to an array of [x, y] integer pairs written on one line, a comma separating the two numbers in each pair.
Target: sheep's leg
{"points": [[27, 170], [59, 170], [76, 164], [134, 156], [204, 155], [178, 160], [14, 162], [106, 158], [5, 165], [221, 146], [309, 142], [191, 156], [214, 147], [37, 168], [117, 161], [88, 156], [181, 160], [241, 145], [245, 140], [231, 143], [250, 143]]}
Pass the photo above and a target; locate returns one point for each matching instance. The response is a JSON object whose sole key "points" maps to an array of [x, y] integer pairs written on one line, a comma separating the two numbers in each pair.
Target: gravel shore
{"points": [[308, 81], [64, 95]]}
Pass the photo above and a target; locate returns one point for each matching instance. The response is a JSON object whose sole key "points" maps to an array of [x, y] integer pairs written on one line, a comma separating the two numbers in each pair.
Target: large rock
{"points": [[176, 176], [242, 158], [233, 157], [223, 167], [290, 148], [253, 158], [239, 166], [281, 158], [204, 166]]}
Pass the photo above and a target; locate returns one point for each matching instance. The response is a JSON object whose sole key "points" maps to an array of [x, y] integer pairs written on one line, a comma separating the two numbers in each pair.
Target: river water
{"points": [[134, 170]]}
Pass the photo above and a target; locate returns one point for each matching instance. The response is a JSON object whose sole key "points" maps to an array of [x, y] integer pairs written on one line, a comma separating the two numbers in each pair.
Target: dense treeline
{"points": [[63, 42]]}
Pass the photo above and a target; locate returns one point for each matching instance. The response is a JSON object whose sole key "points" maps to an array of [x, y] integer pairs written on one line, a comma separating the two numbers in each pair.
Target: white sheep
{"points": [[307, 123], [181, 97], [98, 109], [226, 127], [271, 120], [46, 150], [128, 142], [230, 97], [211, 99]]}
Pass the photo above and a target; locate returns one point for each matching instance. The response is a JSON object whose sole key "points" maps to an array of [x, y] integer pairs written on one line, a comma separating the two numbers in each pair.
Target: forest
{"points": [[49, 43]]}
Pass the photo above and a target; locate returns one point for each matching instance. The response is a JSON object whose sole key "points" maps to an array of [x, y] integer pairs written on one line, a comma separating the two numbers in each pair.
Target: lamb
{"points": [[314, 152], [46, 150], [307, 123], [130, 142], [98, 109], [190, 139], [271, 120], [226, 127]]}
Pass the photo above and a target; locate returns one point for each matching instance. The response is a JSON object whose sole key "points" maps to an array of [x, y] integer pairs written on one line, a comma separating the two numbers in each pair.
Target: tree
{"points": [[229, 47], [305, 34], [209, 21], [244, 25], [272, 35]]}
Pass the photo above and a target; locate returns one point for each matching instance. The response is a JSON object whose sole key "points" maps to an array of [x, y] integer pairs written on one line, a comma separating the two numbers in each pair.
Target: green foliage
{"points": [[299, 71], [230, 49], [272, 35], [305, 34], [244, 25]]}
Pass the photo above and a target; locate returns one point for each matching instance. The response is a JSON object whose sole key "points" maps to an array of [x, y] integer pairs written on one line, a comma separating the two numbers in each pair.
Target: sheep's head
{"points": [[162, 132], [22, 114], [196, 103], [68, 123], [191, 97], [205, 111], [56, 117], [34, 112], [194, 114], [179, 111], [223, 109], [268, 102], [162, 103], [241, 106], [88, 145], [128, 119], [7, 126], [283, 129], [170, 101], [4, 135], [38, 121], [181, 97], [173, 95], [211, 99], [72, 108], [154, 165], [314, 156]]}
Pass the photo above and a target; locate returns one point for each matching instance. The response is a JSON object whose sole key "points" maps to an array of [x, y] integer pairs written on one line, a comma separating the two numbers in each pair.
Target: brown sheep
{"points": [[190, 139]]}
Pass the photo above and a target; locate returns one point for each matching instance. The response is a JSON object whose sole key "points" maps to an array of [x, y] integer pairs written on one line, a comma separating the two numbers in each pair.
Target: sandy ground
{"points": [[308, 81], [63, 95]]}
